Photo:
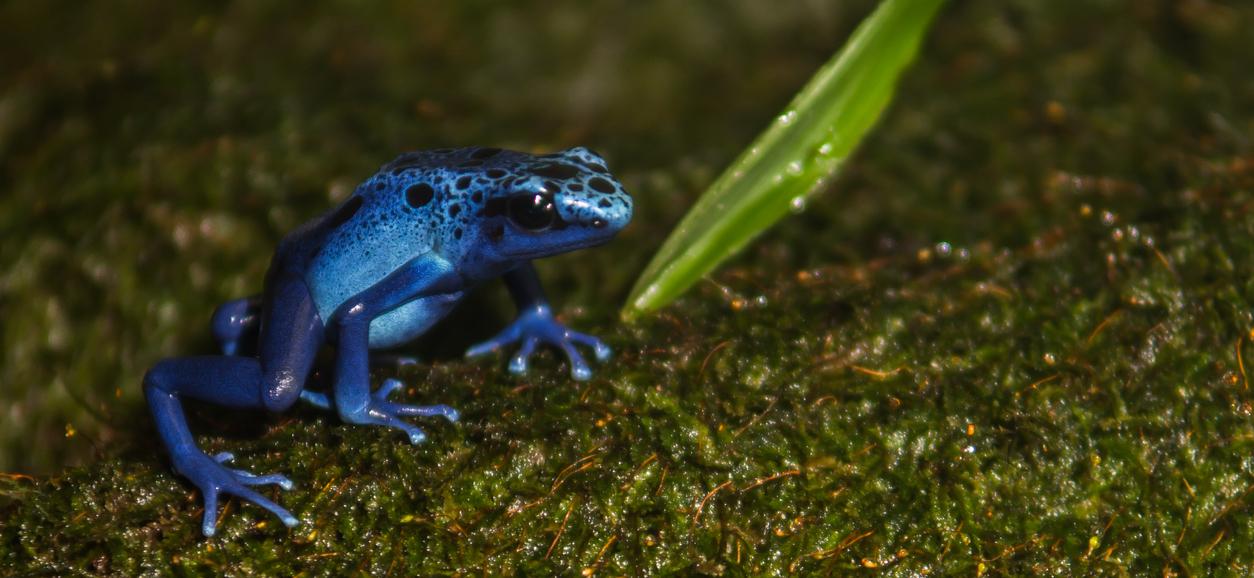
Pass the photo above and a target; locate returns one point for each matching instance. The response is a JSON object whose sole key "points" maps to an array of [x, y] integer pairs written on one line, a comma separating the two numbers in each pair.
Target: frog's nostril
{"points": [[599, 223]]}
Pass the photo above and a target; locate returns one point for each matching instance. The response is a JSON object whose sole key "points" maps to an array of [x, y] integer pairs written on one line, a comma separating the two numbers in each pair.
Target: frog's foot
{"points": [[213, 479], [380, 411], [321, 400], [538, 326]]}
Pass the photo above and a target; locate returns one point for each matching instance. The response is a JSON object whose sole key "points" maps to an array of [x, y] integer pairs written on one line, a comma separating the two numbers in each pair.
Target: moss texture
{"points": [[1012, 340]]}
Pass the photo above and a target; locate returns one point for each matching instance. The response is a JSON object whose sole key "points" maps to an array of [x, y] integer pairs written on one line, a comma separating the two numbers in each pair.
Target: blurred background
{"points": [[153, 153]]}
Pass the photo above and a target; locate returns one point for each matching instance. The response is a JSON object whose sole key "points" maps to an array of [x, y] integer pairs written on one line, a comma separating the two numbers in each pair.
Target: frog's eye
{"points": [[533, 212]]}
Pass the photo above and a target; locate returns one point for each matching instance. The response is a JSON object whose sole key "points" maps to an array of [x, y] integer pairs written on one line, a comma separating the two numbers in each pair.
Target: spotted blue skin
{"points": [[379, 270]]}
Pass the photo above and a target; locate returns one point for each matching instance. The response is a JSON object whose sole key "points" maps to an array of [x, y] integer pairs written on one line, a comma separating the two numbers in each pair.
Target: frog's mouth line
{"points": [[549, 250]]}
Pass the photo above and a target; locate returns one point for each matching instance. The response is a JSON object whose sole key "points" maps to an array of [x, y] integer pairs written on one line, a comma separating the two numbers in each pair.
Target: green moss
{"points": [[1012, 339]]}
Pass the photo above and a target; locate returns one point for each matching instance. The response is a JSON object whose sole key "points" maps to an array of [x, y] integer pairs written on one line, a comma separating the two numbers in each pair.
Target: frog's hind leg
{"points": [[291, 335], [229, 381], [235, 325]]}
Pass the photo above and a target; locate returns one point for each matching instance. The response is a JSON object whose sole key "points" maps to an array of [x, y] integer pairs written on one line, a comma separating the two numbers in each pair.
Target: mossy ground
{"points": [[1012, 340]]}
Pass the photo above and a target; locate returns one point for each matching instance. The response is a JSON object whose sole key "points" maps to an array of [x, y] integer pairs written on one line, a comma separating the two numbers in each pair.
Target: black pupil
{"points": [[533, 212]]}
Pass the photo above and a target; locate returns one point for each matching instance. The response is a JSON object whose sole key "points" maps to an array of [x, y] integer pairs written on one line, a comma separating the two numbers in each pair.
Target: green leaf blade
{"points": [[802, 148]]}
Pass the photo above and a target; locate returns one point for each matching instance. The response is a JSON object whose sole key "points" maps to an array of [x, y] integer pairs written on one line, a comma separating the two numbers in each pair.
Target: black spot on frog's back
{"points": [[555, 171], [344, 212], [600, 185], [419, 195]]}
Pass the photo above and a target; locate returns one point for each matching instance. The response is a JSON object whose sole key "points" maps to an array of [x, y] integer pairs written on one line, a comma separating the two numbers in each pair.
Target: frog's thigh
{"points": [[291, 333]]}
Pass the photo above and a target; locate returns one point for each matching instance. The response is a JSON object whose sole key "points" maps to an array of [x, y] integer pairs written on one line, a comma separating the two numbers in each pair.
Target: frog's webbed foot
{"points": [[213, 479], [321, 400], [380, 411], [536, 326]]}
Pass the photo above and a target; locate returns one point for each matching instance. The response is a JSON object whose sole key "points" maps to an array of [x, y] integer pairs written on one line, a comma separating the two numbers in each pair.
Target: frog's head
{"points": [[537, 206], [490, 209]]}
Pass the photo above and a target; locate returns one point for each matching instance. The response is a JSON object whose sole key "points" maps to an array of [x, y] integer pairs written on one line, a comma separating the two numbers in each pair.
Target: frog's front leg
{"points": [[236, 324], [421, 277], [535, 325]]}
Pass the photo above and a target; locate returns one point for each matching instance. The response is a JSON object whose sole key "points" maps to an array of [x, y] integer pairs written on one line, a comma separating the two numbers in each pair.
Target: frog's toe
{"points": [[387, 408], [599, 348], [414, 433], [482, 348], [316, 399], [392, 361], [499, 341], [252, 496], [518, 363], [213, 479], [444, 411], [579, 369], [380, 411], [386, 390], [209, 523], [250, 479]]}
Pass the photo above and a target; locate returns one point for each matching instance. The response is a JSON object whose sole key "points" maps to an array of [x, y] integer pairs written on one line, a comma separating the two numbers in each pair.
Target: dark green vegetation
{"points": [[1010, 341]]}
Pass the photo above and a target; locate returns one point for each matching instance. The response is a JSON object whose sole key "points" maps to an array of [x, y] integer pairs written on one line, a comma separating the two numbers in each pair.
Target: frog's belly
{"points": [[410, 320]]}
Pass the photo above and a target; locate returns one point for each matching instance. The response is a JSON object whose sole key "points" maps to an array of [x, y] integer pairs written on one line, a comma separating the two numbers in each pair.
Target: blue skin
{"points": [[379, 270]]}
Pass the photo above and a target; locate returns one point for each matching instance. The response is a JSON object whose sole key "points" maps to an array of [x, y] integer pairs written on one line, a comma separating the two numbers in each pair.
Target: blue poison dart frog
{"points": [[379, 270]]}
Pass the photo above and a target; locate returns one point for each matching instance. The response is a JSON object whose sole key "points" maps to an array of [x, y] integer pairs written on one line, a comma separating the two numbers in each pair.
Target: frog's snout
{"points": [[606, 214], [615, 216]]}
